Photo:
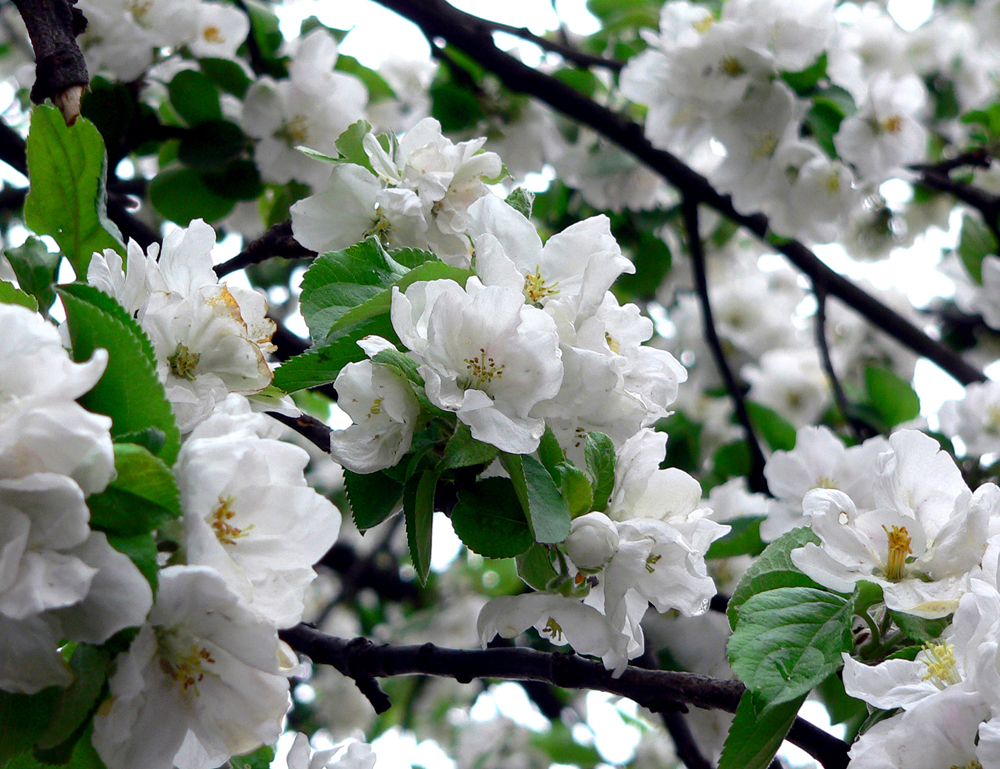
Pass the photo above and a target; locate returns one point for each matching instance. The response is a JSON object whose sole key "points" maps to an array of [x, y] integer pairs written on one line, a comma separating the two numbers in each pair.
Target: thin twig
{"points": [[861, 429], [276, 242], [308, 427], [755, 479], [567, 52], [687, 749]]}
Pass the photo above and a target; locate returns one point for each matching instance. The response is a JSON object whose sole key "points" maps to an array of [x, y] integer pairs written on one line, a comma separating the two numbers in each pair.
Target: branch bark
{"points": [[658, 690], [60, 69], [438, 19]]}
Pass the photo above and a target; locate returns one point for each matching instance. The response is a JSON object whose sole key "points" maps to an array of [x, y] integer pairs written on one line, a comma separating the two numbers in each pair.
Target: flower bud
{"points": [[592, 541]]}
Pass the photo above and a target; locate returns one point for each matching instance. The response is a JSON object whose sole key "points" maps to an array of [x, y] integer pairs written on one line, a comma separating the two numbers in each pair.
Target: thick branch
{"points": [[658, 690], [308, 427], [438, 19], [755, 479], [60, 69]]}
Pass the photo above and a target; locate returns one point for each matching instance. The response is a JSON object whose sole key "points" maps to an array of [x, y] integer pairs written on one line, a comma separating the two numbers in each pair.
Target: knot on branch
{"points": [[357, 669]]}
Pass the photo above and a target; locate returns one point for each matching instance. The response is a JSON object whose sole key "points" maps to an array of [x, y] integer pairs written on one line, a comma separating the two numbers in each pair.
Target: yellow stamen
{"points": [[612, 343], [213, 35], [899, 548], [483, 370], [731, 66], [535, 287], [184, 665], [376, 407], [703, 25], [294, 132], [219, 519], [651, 562], [765, 146], [553, 630], [892, 124], [941, 666], [183, 363]]}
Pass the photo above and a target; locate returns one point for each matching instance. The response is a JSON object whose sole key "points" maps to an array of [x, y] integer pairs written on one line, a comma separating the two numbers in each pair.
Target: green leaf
{"points": [[10, 294], [211, 144], [418, 509], [90, 669], [141, 548], [67, 199], [195, 97], [787, 641], [350, 146], [549, 451], [534, 566], [919, 629], [892, 397], [975, 244], [82, 756], [773, 569], [462, 450], [339, 281], [320, 365], [600, 454], [182, 194], [755, 738], [373, 497], [227, 75], [521, 200], [561, 748], [489, 520], [454, 107], [130, 391], [839, 705], [548, 514], [35, 269], [381, 303], [743, 539], [575, 488], [804, 81], [259, 759], [25, 718], [731, 460], [772, 427], [378, 89], [142, 497]]}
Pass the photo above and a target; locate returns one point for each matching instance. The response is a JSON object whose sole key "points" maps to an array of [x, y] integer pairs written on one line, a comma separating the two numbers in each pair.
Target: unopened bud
{"points": [[592, 541]]}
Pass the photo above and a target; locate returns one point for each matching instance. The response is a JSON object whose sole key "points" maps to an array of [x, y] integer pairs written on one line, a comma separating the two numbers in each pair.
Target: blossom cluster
{"points": [[205, 677]]}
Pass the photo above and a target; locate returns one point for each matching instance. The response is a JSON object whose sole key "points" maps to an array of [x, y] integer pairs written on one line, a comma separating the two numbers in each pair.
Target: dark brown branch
{"points": [[687, 749], [658, 690], [277, 241], [438, 19], [986, 203], [861, 429], [569, 53], [308, 427], [60, 69], [755, 479]]}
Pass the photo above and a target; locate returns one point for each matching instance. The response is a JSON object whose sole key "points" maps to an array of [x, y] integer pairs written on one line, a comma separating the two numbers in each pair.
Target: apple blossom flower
{"points": [[58, 579], [384, 410], [975, 419], [484, 354], [357, 755], [204, 680], [249, 514], [921, 542], [592, 541], [209, 338]]}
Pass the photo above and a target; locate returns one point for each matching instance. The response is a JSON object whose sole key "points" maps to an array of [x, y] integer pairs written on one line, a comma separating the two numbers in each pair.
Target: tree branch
{"points": [[308, 427], [658, 690], [277, 241], [755, 479], [861, 429], [438, 19], [569, 53], [60, 69]]}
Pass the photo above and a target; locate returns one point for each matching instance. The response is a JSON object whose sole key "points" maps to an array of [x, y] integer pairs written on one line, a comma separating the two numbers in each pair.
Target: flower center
{"points": [[183, 362], [213, 35], [612, 343], [218, 519], [832, 184], [553, 629], [294, 132], [899, 548], [703, 25], [482, 370], [892, 124], [941, 666], [139, 9], [535, 288], [765, 146], [731, 66], [651, 562], [184, 662]]}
